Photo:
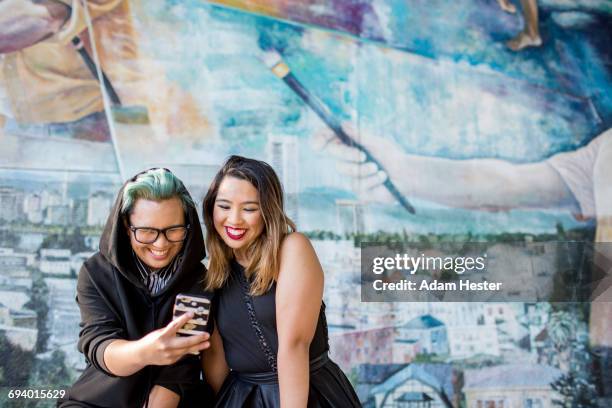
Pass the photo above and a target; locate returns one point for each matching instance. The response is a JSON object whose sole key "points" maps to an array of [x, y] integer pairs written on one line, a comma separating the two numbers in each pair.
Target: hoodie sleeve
{"points": [[99, 324]]}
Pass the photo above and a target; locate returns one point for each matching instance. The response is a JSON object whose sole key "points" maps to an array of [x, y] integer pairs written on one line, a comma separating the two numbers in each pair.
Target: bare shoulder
{"points": [[295, 241], [297, 251], [297, 247]]}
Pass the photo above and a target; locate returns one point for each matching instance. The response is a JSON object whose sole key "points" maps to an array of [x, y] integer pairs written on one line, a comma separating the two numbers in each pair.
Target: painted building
{"points": [[11, 204], [283, 157], [98, 208], [18, 325], [432, 383], [58, 215], [14, 263], [76, 261], [405, 350], [63, 320], [350, 348], [55, 261], [429, 332], [511, 386], [467, 341], [32, 207]]}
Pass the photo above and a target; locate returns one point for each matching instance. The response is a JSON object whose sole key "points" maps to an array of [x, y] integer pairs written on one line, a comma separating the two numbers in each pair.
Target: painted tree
{"points": [[575, 386]]}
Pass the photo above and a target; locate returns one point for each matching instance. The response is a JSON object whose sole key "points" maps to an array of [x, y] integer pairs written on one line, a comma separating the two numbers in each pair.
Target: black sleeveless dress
{"points": [[247, 325]]}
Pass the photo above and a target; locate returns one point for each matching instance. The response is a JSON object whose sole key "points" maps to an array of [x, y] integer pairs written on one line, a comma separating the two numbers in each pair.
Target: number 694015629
{"points": [[35, 393]]}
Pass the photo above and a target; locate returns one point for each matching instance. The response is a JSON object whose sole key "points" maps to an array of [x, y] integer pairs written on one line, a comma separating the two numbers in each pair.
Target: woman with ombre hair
{"points": [[270, 346]]}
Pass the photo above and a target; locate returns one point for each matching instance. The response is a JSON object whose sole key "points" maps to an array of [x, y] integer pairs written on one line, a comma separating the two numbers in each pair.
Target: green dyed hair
{"points": [[155, 184]]}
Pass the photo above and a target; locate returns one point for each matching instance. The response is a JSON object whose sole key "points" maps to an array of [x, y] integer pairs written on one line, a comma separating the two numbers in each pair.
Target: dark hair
{"points": [[264, 251]]}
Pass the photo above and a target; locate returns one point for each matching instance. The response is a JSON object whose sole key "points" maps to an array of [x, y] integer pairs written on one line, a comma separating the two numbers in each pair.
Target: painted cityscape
{"points": [[490, 119]]}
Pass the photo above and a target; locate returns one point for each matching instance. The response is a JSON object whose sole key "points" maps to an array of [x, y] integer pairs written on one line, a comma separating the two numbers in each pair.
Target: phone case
{"points": [[200, 306]]}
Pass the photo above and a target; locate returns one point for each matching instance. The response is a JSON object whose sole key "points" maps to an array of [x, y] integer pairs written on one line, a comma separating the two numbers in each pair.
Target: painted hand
{"points": [[367, 178], [26, 22]]}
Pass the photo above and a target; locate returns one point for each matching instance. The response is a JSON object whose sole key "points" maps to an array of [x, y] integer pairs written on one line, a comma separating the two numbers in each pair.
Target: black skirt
{"points": [[329, 388]]}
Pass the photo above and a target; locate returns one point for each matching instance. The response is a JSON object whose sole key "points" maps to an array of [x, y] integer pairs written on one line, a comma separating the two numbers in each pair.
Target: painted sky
{"points": [[435, 77], [473, 32]]}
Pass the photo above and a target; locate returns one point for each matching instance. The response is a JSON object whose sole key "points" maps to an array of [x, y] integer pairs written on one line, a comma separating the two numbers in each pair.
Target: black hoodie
{"points": [[115, 304]]}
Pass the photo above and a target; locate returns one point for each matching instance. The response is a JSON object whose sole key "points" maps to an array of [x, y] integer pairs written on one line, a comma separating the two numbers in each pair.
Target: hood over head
{"points": [[115, 244]]}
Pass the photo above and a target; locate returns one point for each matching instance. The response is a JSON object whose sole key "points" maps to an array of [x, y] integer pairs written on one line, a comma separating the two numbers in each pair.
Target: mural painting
{"points": [[390, 121]]}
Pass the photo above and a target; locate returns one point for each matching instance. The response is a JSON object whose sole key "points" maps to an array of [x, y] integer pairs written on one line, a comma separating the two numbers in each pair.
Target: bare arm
{"points": [[214, 364], [26, 22], [299, 292], [161, 397], [160, 347]]}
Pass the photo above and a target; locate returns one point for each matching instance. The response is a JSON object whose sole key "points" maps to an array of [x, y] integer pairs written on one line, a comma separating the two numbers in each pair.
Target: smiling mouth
{"points": [[235, 233], [159, 254]]}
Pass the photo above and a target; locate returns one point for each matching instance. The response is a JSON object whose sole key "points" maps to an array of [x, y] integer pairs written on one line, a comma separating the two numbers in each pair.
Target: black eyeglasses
{"points": [[148, 235]]}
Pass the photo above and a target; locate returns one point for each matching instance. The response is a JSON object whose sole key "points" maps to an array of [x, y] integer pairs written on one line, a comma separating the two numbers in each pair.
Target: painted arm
{"points": [[602, 185], [486, 184], [214, 364], [24, 23], [299, 293]]}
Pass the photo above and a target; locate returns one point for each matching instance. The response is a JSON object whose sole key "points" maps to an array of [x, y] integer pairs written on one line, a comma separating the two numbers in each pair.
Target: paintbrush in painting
{"points": [[275, 62]]}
